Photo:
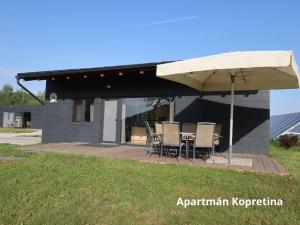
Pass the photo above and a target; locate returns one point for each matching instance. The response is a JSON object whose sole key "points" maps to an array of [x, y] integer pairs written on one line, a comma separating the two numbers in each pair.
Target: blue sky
{"points": [[46, 35]]}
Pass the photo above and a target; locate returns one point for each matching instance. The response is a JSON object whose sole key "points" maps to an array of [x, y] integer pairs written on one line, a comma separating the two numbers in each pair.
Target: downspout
{"points": [[29, 92]]}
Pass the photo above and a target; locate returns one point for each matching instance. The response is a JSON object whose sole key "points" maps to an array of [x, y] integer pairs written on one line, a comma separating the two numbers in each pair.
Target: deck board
{"points": [[260, 163]]}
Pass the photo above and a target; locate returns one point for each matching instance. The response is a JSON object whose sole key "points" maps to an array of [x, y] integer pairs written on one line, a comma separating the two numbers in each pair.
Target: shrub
{"points": [[275, 142], [288, 141]]}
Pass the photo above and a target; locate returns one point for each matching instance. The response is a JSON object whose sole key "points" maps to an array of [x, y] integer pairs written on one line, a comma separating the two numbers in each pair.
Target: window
{"points": [[89, 110], [77, 110], [137, 110], [83, 110]]}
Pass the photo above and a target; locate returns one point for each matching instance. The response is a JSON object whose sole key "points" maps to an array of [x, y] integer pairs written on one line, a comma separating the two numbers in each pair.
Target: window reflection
{"points": [[83, 110], [77, 110], [137, 110]]}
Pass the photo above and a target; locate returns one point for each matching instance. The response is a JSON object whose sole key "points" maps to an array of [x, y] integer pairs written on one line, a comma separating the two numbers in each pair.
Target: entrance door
{"points": [[110, 116]]}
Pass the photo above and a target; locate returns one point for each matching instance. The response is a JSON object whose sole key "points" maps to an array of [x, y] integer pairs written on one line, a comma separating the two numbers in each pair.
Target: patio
{"points": [[260, 163]]}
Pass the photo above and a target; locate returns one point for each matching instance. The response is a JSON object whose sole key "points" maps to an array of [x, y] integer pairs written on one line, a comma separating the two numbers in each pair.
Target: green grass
{"points": [[11, 150], [290, 158], [14, 130], [48, 188]]}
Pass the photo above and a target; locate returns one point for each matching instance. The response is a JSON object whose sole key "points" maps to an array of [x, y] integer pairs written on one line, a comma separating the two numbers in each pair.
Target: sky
{"points": [[48, 35]]}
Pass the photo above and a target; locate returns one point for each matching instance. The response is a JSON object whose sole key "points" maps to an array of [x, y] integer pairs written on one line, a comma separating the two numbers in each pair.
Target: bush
{"points": [[275, 142], [288, 141]]}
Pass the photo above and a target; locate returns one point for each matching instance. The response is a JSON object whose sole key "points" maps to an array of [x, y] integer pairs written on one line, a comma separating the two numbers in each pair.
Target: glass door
{"points": [[135, 111]]}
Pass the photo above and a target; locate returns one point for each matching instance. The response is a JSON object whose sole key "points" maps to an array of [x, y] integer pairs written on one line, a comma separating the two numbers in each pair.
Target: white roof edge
{"points": [[288, 130]]}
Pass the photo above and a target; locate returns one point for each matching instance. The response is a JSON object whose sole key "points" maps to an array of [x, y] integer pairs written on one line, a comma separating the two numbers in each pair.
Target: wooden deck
{"points": [[260, 163]]}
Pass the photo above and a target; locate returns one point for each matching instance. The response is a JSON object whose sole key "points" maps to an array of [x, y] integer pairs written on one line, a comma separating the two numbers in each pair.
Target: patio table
{"points": [[187, 136]]}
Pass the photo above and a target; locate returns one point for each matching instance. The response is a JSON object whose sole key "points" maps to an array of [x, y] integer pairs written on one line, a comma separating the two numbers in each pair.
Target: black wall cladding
{"points": [[251, 113]]}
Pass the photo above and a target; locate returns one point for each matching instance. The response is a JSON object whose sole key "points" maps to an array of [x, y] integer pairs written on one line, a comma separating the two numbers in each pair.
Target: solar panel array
{"points": [[281, 123], [296, 129]]}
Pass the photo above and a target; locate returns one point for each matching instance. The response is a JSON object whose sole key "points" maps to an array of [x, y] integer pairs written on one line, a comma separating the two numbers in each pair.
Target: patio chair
{"points": [[10, 124], [171, 138], [204, 137], [153, 140], [28, 124], [189, 127], [158, 128], [18, 123], [217, 135]]}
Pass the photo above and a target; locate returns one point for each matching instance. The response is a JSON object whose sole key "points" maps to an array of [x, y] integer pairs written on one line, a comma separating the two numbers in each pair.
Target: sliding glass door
{"points": [[135, 111], [123, 120]]}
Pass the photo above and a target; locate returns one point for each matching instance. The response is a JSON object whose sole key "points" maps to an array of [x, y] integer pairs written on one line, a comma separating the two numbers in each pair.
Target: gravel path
{"points": [[21, 138]]}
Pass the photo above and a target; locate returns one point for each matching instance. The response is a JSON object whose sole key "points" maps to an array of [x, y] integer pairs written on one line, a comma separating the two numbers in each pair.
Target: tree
{"points": [[6, 94], [19, 97], [7, 88], [159, 101], [41, 95]]}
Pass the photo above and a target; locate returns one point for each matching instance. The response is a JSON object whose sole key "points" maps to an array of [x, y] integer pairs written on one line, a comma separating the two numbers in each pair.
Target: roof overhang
{"points": [[75, 73]]}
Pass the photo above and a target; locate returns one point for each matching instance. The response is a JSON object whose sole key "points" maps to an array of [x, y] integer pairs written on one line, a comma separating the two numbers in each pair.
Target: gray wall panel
{"points": [[58, 126]]}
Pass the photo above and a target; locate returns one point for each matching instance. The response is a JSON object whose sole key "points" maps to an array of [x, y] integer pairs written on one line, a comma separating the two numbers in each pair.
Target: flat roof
{"points": [[51, 73]]}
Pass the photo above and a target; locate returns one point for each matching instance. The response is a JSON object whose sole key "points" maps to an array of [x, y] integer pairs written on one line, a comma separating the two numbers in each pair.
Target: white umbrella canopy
{"points": [[252, 70]]}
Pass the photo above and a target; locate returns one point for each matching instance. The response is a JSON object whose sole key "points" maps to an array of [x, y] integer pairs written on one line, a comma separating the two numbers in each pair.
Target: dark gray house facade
{"points": [[109, 105], [29, 115]]}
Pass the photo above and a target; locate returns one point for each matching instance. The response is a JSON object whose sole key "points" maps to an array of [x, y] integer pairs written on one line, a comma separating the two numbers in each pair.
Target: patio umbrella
{"points": [[253, 70]]}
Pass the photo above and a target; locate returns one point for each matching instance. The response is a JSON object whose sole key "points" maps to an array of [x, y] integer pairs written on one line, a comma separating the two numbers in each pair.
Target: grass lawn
{"points": [[13, 130], [49, 188]]}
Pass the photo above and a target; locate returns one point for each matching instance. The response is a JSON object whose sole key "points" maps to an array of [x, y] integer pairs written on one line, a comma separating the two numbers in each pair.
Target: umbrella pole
{"points": [[231, 119]]}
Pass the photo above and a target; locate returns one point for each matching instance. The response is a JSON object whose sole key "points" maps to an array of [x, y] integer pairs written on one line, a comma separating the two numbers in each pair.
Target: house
{"points": [[108, 105], [288, 123], [29, 116]]}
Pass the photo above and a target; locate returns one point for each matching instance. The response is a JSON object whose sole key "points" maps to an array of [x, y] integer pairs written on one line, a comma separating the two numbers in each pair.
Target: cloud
{"points": [[8, 71], [180, 19]]}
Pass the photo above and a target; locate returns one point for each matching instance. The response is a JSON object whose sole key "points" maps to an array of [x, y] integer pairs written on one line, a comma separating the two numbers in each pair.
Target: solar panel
{"points": [[281, 123], [296, 129]]}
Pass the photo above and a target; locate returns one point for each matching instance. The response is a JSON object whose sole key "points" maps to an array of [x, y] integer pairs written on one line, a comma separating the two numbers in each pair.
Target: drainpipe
{"points": [[29, 92]]}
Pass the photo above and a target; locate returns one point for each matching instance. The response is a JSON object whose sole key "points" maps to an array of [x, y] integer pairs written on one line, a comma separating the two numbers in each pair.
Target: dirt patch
{"points": [[4, 159]]}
